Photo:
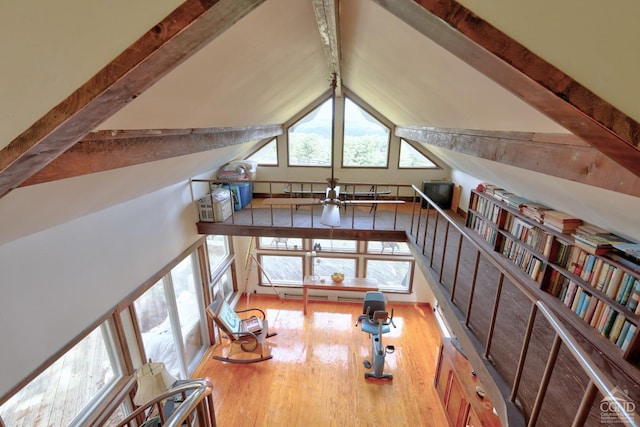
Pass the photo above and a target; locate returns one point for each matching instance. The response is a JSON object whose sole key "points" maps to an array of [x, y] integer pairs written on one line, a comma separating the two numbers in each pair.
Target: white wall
{"points": [[57, 282], [615, 212]]}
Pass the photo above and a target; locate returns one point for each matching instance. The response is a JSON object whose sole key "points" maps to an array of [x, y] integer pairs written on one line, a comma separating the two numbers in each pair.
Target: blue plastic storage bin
{"points": [[242, 194]]}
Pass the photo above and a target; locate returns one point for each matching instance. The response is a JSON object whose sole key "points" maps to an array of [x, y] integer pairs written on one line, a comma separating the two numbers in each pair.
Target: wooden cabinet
{"points": [[593, 293], [456, 386]]}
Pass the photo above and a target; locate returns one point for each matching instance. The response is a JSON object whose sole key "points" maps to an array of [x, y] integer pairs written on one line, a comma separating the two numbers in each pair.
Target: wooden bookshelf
{"points": [[590, 292]]}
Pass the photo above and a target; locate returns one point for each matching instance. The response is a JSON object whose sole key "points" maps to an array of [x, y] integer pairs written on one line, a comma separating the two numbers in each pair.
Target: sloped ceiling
{"points": [[270, 64]]}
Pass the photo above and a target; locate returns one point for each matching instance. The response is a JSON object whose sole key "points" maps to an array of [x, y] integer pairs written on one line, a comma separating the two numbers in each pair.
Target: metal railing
{"points": [[391, 217], [192, 400]]}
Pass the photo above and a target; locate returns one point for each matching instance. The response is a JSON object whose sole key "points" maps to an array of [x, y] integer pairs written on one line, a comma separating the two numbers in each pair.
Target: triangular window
{"points": [[310, 138], [267, 155], [411, 158], [366, 140]]}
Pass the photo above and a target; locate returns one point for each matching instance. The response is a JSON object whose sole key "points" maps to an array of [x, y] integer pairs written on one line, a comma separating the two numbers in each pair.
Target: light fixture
{"points": [[153, 380]]}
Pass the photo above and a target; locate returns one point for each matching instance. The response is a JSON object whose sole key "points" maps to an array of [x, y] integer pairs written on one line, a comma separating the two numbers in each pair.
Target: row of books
{"points": [[486, 208], [521, 257], [563, 255], [622, 288], [598, 314], [597, 244], [528, 233], [609, 279], [488, 233]]}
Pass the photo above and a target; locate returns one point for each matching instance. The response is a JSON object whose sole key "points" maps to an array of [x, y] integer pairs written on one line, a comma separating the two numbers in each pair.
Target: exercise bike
{"points": [[376, 321]]}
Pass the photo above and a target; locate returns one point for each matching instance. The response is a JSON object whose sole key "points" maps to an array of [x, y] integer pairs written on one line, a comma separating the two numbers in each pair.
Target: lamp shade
{"points": [[330, 215], [153, 380]]}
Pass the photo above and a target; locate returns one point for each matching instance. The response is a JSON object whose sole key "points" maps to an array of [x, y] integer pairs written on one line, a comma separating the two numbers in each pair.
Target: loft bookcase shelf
{"points": [[597, 296]]}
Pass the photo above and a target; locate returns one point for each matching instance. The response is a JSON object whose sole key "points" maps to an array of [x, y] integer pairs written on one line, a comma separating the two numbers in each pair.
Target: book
{"points": [[623, 333], [616, 328], [593, 303], [634, 298], [627, 339], [561, 221], [625, 289], [629, 250], [597, 314], [595, 274], [608, 325], [582, 308], [598, 244], [604, 316], [614, 283]]}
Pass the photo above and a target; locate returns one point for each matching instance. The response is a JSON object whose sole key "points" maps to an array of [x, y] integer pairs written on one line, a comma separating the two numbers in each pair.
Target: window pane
{"points": [[225, 284], [152, 313], [283, 270], [327, 266], [392, 275], [412, 158], [310, 138], [334, 245], [267, 155], [184, 288], [280, 243], [218, 250], [366, 140], [393, 248], [58, 395]]}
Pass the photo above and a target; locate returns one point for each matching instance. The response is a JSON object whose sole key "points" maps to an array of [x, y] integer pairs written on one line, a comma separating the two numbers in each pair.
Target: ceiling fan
{"points": [[332, 202]]}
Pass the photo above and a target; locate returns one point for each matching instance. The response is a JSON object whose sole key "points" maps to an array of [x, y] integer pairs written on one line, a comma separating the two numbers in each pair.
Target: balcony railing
{"points": [[439, 236], [371, 216], [191, 400]]}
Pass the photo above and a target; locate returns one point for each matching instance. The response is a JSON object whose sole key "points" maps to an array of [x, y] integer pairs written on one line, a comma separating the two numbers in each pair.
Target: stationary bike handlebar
{"points": [[388, 319]]}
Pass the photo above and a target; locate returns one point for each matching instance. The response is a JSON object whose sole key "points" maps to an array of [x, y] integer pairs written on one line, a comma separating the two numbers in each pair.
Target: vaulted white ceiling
{"points": [[271, 64]]}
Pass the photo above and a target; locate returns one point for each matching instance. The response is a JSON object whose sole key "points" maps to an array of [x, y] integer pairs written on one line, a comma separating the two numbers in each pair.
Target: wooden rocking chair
{"points": [[246, 334]]}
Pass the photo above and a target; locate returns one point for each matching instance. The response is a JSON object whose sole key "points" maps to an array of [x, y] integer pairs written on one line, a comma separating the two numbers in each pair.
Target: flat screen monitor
{"points": [[441, 192]]}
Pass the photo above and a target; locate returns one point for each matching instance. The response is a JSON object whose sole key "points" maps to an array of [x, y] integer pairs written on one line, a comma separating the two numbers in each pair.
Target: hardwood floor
{"points": [[316, 376]]}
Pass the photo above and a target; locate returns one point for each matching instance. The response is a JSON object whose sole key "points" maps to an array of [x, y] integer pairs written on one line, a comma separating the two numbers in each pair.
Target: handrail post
{"points": [[444, 251], [585, 405], [542, 391], [473, 288], [523, 352], [494, 315]]}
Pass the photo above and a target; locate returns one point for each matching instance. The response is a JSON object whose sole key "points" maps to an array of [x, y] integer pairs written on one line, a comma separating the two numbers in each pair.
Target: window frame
{"points": [[343, 127], [403, 259], [321, 102], [262, 146], [435, 166]]}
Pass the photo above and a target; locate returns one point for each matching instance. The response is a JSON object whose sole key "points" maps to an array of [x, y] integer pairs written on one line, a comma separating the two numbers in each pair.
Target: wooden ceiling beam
{"points": [[550, 154], [106, 150], [525, 74], [186, 30], [328, 19]]}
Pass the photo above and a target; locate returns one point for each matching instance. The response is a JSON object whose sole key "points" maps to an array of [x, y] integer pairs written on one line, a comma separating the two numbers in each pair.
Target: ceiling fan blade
{"points": [[368, 202], [290, 201], [330, 215]]}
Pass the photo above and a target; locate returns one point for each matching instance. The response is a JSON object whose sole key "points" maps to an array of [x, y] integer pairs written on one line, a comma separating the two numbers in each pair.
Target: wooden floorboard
{"points": [[316, 375]]}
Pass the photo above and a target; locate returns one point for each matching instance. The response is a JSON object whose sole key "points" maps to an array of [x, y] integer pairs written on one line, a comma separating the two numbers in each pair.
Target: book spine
{"points": [[623, 333], [627, 340], [634, 298]]}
